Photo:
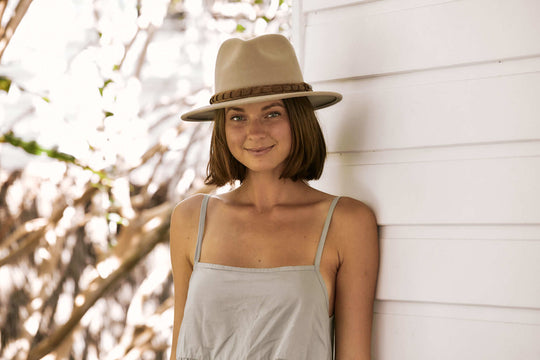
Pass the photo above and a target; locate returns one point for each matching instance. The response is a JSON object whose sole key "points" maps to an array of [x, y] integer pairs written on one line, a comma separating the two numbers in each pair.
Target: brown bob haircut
{"points": [[305, 161]]}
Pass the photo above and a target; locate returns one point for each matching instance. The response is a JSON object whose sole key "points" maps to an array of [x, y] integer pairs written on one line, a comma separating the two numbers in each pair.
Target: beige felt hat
{"points": [[261, 69]]}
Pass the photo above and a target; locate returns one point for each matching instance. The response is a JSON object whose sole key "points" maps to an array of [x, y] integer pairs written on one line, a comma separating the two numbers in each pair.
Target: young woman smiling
{"points": [[273, 269], [259, 135]]}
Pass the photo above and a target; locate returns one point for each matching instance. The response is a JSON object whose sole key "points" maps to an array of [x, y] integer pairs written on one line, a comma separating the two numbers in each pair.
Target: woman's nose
{"points": [[256, 128]]}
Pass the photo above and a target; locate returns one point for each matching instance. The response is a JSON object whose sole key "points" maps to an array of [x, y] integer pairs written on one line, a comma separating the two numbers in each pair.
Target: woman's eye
{"points": [[273, 114], [237, 118]]}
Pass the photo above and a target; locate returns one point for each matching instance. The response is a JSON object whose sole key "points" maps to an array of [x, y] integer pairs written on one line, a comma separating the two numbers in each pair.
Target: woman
{"points": [[274, 268]]}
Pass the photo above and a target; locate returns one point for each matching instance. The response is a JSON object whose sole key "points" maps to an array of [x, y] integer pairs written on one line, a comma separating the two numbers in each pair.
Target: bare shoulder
{"points": [[184, 225], [355, 213], [187, 209], [355, 225]]}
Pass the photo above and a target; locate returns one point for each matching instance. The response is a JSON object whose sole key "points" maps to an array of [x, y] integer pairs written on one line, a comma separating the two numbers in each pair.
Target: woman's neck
{"points": [[266, 192]]}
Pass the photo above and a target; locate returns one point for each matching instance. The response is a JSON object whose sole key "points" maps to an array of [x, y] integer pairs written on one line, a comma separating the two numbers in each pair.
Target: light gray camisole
{"points": [[237, 313]]}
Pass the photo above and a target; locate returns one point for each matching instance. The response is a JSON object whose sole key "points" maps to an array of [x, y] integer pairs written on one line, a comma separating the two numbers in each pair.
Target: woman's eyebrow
{"points": [[272, 105], [239, 109]]}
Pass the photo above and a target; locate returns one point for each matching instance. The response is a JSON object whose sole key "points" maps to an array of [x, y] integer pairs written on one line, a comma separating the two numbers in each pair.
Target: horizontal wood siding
{"points": [[445, 338], [401, 35], [439, 132], [461, 191], [463, 105]]}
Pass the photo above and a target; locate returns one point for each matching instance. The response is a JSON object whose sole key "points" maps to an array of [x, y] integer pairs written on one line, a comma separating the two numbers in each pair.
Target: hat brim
{"points": [[319, 100]]}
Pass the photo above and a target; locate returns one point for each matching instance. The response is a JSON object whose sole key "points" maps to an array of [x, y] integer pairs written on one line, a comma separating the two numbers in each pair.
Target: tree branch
{"points": [[7, 32], [33, 237], [101, 285], [3, 5], [142, 56]]}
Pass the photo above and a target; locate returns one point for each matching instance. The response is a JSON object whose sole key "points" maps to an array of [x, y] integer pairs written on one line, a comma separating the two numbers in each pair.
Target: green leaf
{"points": [[32, 147], [266, 19], [61, 156], [240, 28], [108, 113], [281, 2], [258, 1], [46, 99], [5, 83], [116, 67], [107, 82]]}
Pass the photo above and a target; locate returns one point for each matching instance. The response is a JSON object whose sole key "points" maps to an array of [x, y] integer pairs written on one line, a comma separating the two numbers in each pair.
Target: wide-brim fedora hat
{"points": [[260, 69]]}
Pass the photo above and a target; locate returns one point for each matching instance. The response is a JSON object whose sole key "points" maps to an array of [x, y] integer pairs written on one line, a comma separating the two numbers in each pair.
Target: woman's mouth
{"points": [[260, 150]]}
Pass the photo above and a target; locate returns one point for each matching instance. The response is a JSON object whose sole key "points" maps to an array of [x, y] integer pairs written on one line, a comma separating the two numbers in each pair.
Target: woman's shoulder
{"points": [[352, 215], [354, 231], [349, 213], [190, 203], [347, 207], [188, 209], [184, 225], [354, 207]]}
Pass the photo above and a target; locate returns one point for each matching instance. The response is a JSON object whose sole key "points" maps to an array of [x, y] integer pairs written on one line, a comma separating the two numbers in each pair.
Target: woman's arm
{"points": [[356, 279], [183, 239]]}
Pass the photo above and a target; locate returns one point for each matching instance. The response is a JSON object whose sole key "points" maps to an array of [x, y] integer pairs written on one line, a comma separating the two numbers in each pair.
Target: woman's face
{"points": [[259, 135]]}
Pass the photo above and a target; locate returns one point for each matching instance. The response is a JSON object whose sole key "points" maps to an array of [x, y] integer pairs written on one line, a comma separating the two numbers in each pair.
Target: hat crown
{"points": [[261, 69], [264, 60]]}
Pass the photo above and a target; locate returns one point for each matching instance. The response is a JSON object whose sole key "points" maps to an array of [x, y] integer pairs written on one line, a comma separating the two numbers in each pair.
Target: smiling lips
{"points": [[260, 150]]}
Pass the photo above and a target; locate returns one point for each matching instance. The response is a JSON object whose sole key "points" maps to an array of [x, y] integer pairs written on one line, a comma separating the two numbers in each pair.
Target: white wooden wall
{"points": [[439, 132]]}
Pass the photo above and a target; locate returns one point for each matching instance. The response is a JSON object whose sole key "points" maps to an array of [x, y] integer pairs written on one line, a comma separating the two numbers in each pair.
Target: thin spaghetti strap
{"points": [[325, 232], [200, 233]]}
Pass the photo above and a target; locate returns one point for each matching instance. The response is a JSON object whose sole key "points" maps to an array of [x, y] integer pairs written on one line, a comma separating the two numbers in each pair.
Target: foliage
{"points": [[5, 83], [93, 160]]}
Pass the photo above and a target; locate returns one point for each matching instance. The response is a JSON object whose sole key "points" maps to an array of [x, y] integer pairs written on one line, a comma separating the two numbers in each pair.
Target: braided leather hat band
{"points": [[236, 94]]}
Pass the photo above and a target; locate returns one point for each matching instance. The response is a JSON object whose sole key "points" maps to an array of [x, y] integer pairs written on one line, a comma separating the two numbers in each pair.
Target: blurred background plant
{"points": [[93, 159]]}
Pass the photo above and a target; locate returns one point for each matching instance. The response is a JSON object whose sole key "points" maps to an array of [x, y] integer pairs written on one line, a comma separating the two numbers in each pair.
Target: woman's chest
{"points": [[260, 241]]}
